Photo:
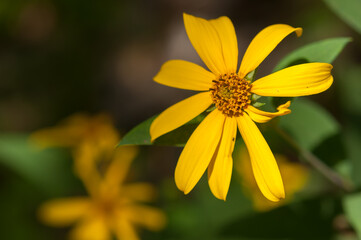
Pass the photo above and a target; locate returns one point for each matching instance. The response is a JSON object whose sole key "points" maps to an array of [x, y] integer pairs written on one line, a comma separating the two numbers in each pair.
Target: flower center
{"points": [[231, 94]]}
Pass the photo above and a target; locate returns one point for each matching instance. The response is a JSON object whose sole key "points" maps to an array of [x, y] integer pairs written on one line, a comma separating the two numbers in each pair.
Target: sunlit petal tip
{"points": [[299, 31], [220, 195]]}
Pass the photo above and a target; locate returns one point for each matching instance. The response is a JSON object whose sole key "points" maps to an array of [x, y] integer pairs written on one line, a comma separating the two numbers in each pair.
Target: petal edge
{"points": [[299, 80], [263, 163], [179, 114], [260, 116], [184, 75], [198, 151], [263, 44]]}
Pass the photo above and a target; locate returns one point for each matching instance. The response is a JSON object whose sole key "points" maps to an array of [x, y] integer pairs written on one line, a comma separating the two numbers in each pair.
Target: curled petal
{"points": [[263, 44], [300, 80], [262, 116], [220, 168], [216, 51], [263, 163], [179, 114], [184, 75], [198, 151]]}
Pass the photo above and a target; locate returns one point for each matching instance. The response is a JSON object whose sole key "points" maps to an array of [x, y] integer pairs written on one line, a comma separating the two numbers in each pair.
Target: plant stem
{"points": [[316, 163]]}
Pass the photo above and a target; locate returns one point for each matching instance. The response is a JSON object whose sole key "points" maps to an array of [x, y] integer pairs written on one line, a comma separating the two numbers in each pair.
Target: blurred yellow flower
{"points": [[79, 128], [112, 207], [211, 144], [294, 174], [96, 134]]}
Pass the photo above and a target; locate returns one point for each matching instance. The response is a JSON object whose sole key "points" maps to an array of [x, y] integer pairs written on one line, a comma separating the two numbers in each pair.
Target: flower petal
{"points": [[263, 44], [262, 116], [119, 167], [149, 217], [184, 75], [93, 227], [300, 80], [63, 212], [179, 114], [220, 168], [139, 191], [264, 165], [227, 34], [124, 229], [198, 151], [206, 41]]}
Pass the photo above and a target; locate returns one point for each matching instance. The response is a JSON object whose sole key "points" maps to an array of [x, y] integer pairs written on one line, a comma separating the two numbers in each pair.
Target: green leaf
{"points": [[348, 10], [140, 135], [352, 208], [322, 51], [309, 124], [44, 168], [350, 89], [352, 140]]}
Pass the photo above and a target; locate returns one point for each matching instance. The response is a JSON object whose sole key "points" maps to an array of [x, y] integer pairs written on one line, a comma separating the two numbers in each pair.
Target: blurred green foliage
{"points": [[348, 10]]}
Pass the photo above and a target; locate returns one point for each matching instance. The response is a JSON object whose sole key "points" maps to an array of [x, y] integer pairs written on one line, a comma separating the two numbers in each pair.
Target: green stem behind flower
{"points": [[316, 163]]}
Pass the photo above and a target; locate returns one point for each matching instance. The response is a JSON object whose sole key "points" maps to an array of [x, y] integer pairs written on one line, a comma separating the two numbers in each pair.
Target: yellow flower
{"points": [[86, 135], [79, 128], [112, 207], [211, 144], [294, 175]]}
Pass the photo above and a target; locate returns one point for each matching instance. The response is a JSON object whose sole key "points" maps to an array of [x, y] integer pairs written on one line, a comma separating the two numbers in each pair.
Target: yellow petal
{"points": [[184, 75], [68, 133], [149, 217], [198, 151], [123, 228], [264, 165], [206, 41], [92, 228], [77, 128], [220, 168], [85, 156], [139, 191], [263, 44], [300, 80], [63, 212], [294, 175], [262, 116], [118, 168], [227, 35], [179, 114]]}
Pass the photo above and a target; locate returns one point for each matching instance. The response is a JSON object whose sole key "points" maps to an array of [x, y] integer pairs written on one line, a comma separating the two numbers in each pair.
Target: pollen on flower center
{"points": [[231, 94]]}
